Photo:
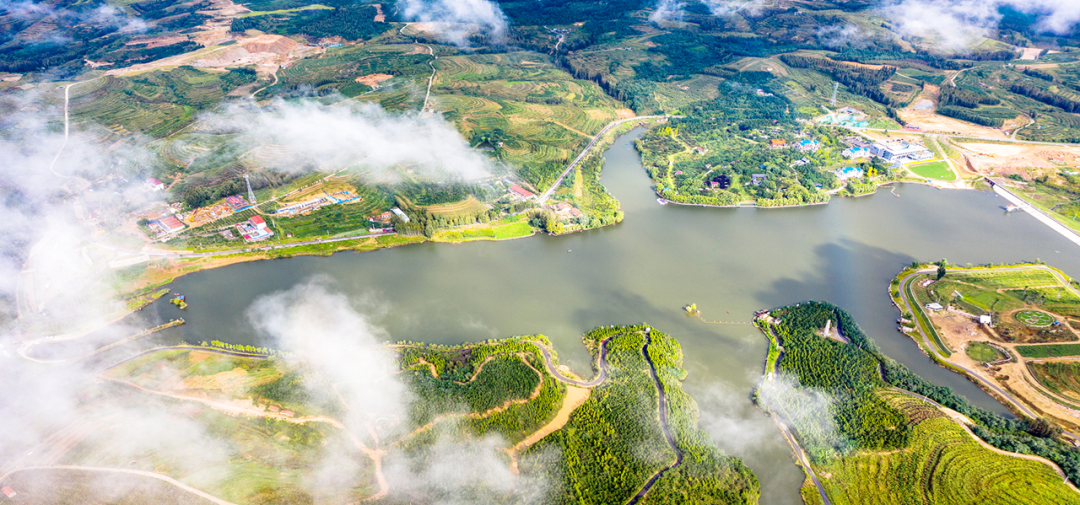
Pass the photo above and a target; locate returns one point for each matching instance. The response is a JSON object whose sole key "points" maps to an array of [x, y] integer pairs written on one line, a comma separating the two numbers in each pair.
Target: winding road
{"points": [[596, 139], [600, 377], [668, 436]]}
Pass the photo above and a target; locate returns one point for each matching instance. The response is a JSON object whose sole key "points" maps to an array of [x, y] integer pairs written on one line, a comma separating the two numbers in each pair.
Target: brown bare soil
{"points": [[373, 80], [575, 396], [959, 332], [1016, 158]]}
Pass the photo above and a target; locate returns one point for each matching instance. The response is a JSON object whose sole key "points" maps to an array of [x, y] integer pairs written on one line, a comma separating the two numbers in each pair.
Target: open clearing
{"points": [[933, 170], [1017, 158]]}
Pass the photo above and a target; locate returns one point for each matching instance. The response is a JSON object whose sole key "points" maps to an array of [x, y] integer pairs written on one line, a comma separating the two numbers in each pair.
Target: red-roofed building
{"points": [[254, 229], [10, 493], [155, 184], [520, 191], [170, 224]]}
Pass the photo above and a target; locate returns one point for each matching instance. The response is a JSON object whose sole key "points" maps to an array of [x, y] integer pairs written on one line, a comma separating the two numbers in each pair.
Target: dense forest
{"points": [[355, 22]]}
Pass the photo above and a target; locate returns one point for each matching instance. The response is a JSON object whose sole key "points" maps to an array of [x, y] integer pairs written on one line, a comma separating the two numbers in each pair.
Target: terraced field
{"points": [[468, 207], [147, 103], [541, 115], [1061, 377], [942, 464], [1010, 279]]}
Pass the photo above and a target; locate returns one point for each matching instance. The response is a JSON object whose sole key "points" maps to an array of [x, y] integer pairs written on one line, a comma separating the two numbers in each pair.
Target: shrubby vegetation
{"points": [[854, 371], [613, 443]]}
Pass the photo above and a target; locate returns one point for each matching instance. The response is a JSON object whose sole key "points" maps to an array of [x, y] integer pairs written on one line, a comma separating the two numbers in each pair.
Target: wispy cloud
{"points": [[366, 136], [957, 24], [455, 20]]}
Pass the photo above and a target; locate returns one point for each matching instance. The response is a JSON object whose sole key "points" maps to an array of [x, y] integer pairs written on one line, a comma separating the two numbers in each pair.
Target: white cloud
{"points": [[956, 24], [368, 137], [454, 20]]}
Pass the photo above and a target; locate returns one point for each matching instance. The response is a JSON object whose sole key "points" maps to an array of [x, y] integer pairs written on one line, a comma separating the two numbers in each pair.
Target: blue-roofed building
{"points": [[848, 173], [856, 152]]}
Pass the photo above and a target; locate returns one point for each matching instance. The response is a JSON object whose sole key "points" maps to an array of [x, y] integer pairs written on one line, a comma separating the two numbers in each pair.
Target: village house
{"points": [[520, 192], [778, 142], [155, 185], [848, 173], [757, 179], [254, 229], [809, 146], [856, 152], [166, 225]]}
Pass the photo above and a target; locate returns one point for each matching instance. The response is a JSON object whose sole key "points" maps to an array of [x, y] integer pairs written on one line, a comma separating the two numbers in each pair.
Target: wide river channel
{"points": [[730, 262]]}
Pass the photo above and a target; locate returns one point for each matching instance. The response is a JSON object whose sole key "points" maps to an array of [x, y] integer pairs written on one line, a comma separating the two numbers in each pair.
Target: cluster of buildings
{"points": [[897, 152], [166, 226], [566, 211], [254, 229], [804, 145]]}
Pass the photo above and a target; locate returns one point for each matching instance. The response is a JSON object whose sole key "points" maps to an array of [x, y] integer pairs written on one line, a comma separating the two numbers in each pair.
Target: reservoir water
{"points": [[730, 262]]}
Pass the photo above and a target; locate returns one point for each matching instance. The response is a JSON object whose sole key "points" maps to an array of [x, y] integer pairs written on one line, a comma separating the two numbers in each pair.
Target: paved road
{"points": [[152, 475], [790, 437], [600, 377], [585, 152], [181, 254], [1036, 212]]}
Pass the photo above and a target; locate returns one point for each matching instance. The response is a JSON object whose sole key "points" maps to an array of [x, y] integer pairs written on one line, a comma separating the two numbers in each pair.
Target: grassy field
{"points": [[983, 352], [942, 464], [1048, 350], [933, 170], [539, 114], [493, 231]]}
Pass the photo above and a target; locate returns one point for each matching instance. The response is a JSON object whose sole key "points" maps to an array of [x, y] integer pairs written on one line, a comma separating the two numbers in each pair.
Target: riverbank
{"points": [[951, 330]]}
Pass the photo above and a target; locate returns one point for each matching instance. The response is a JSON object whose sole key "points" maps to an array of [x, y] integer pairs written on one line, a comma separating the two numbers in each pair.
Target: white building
{"points": [[934, 306], [900, 151]]}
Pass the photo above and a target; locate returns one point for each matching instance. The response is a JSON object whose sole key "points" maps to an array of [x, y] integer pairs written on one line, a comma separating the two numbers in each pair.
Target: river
{"points": [[730, 262]]}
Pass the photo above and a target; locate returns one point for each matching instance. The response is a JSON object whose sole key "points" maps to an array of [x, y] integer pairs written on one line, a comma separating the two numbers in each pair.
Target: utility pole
{"points": [[251, 194]]}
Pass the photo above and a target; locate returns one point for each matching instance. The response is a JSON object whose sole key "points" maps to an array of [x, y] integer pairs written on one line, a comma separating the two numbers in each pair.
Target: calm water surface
{"points": [[730, 262]]}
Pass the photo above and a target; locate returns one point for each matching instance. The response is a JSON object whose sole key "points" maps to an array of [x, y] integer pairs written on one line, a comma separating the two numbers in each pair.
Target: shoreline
{"points": [[1037, 213]]}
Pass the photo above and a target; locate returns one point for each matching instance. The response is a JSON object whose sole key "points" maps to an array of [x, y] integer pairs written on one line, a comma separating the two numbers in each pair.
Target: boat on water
{"points": [[1012, 208], [661, 201]]}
